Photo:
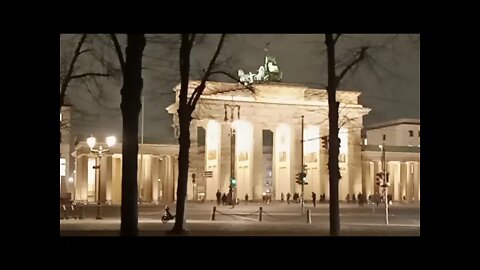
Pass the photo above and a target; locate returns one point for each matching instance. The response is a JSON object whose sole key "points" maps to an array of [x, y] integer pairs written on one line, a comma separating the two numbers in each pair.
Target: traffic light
{"points": [[301, 178], [325, 142], [381, 180], [234, 183]]}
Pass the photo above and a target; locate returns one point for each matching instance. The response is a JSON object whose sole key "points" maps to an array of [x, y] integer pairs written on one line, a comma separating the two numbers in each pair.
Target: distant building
{"points": [[261, 164], [157, 163], [401, 132], [401, 139], [66, 148]]}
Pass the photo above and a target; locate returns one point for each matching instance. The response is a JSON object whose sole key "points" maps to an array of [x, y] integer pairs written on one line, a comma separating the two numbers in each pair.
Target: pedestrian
{"points": [[314, 199], [224, 199], [246, 199], [219, 195], [347, 198], [360, 199], [282, 199], [288, 198]]}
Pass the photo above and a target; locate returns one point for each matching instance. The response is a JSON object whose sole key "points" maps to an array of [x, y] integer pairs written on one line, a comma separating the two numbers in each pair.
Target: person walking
{"points": [[219, 195]]}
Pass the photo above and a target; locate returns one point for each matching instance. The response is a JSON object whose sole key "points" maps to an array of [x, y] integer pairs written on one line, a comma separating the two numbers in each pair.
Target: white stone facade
{"points": [[401, 132], [277, 107]]}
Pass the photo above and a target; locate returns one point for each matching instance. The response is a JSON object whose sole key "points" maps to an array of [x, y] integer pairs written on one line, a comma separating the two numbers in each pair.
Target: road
{"points": [[277, 219]]}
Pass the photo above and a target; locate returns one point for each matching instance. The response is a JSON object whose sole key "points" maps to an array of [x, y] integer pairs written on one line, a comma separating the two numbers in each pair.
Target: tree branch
{"points": [[249, 87], [118, 49], [358, 57], [199, 90], [67, 78], [336, 38], [86, 50], [89, 74], [192, 39]]}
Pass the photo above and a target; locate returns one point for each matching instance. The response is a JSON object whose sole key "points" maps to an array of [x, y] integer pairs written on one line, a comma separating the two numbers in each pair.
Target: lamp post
{"points": [[98, 151], [385, 181], [302, 167], [232, 190]]}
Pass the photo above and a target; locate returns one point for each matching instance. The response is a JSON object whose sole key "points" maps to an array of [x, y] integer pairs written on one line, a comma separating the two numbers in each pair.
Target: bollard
{"points": [[309, 217], [73, 211], [65, 211], [213, 213], [82, 212], [99, 211], [260, 215]]}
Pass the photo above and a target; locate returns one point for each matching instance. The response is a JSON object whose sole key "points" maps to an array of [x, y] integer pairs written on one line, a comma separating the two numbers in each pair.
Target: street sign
{"points": [[208, 174]]}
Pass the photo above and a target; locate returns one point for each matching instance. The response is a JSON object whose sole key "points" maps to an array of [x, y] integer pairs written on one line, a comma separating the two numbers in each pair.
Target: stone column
{"points": [[105, 178], [410, 181], [354, 157], [217, 143], [403, 180], [257, 163], [147, 178], [154, 178], [368, 179], [81, 178], [394, 179], [416, 181], [163, 177], [116, 190], [286, 158], [175, 175], [244, 141], [169, 191], [311, 149], [295, 157]]}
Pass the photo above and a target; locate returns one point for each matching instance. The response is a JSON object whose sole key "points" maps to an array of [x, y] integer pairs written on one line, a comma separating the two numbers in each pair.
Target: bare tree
{"points": [[185, 110], [130, 106], [69, 76], [333, 106]]}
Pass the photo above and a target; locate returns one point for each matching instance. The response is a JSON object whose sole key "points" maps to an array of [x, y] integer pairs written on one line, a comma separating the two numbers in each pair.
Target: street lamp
{"points": [[111, 140], [232, 189]]}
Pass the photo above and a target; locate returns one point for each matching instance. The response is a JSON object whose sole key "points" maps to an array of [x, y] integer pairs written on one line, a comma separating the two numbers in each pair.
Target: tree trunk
{"points": [[334, 171], [185, 117], [130, 106], [183, 161]]}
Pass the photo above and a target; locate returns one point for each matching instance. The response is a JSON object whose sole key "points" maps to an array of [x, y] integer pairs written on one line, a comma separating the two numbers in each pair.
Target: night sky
{"points": [[389, 80]]}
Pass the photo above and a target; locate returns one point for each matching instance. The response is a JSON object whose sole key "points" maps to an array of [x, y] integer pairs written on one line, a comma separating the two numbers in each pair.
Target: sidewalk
{"points": [[111, 227]]}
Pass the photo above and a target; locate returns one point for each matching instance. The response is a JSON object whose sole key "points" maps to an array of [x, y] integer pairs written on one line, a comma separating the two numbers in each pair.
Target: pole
{"points": [[232, 164], [99, 210], [384, 169], [141, 149], [302, 169]]}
